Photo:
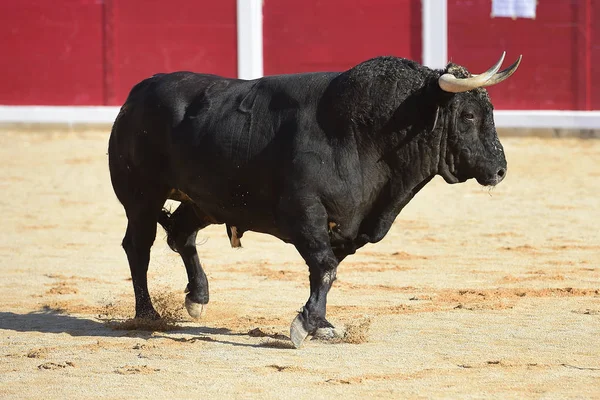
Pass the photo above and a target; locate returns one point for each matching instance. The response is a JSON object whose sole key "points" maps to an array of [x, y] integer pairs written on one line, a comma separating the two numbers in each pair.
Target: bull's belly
{"points": [[256, 215], [251, 205]]}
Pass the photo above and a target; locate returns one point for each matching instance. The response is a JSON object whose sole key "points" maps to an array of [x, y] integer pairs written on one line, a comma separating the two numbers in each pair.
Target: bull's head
{"points": [[472, 147]]}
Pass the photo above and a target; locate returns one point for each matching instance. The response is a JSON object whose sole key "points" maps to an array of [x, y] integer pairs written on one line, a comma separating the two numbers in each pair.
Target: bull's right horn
{"points": [[452, 84]]}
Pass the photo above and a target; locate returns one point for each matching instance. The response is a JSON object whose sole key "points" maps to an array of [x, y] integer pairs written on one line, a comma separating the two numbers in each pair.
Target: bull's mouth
{"points": [[489, 181], [451, 177], [444, 172], [485, 176]]}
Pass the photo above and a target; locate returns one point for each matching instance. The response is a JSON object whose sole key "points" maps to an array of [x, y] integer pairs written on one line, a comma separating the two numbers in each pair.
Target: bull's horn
{"points": [[504, 74], [452, 84]]}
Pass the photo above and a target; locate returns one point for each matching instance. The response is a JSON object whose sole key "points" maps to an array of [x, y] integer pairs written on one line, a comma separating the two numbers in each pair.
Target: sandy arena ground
{"points": [[473, 293]]}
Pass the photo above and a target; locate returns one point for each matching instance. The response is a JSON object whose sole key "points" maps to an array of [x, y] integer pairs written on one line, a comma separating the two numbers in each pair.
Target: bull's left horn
{"points": [[504, 74], [452, 84]]}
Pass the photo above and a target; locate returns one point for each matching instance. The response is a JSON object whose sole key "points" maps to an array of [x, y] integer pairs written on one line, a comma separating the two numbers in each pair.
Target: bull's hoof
{"points": [[297, 331], [329, 333], [148, 313], [195, 310]]}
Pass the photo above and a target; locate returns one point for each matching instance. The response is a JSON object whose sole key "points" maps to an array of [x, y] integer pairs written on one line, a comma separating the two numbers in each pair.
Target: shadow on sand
{"points": [[54, 321]]}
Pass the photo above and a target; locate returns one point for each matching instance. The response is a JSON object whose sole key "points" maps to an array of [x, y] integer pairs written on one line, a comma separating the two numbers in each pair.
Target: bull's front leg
{"points": [[311, 238], [312, 320]]}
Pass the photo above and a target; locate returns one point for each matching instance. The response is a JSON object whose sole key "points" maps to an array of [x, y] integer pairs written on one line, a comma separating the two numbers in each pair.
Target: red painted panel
{"points": [[152, 36], [51, 52], [595, 54], [551, 72], [333, 35]]}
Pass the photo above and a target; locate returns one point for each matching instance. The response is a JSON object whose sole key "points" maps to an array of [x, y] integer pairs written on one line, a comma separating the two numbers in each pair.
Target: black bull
{"points": [[324, 161]]}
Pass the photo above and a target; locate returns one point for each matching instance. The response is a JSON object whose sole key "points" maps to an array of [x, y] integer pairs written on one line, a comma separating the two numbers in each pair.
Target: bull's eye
{"points": [[468, 116]]}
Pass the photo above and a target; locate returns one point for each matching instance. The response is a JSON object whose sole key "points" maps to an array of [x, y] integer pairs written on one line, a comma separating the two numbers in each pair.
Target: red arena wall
{"points": [[51, 55], [90, 52], [334, 35], [557, 56], [157, 36]]}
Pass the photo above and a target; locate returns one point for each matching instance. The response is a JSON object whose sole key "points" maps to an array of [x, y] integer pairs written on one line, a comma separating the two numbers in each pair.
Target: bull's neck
{"points": [[409, 166]]}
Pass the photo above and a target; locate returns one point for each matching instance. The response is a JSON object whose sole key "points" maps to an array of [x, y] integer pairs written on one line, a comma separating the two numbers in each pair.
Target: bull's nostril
{"points": [[501, 172]]}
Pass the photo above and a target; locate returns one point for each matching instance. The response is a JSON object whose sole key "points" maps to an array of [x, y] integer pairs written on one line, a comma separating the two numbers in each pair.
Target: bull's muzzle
{"points": [[492, 179]]}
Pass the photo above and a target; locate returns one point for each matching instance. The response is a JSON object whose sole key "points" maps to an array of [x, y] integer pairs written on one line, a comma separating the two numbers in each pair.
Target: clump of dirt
{"points": [[360, 379], [167, 303], [195, 339], [498, 305], [289, 368], [267, 332], [170, 305], [525, 248], [357, 332], [141, 369], [476, 299], [277, 344], [39, 353], [402, 255], [143, 346], [139, 324], [51, 365], [62, 288], [423, 297], [587, 311], [562, 292], [335, 381]]}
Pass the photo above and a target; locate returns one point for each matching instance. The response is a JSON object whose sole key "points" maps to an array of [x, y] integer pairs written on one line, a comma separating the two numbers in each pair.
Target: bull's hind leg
{"points": [[141, 231], [182, 227], [142, 199]]}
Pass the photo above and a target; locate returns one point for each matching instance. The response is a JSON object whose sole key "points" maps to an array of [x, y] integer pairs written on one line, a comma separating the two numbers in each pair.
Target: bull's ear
{"points": [[435, 119], [438, 96]]}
